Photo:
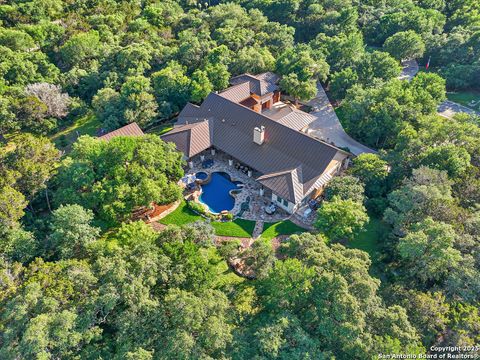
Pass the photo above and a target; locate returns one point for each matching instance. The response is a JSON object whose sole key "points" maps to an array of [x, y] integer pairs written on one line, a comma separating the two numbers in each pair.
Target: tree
{"points": [[426, 193], [64, 326], [200, 86], [303, 90], [252, 60], [345, 187], [341, 81], [321, 303], [16, 40], [31, 115], [71, 231], [450, 158], [138, 101], [80, 49], [57, 103], [428, 251], [171, 85], [218, 75], [372, 171], [428, 312], [260, 257], [107, 105], [113, 178], [12, 205], [378, 65], [341, 219], [17, 244], [299, 61], [28, 162], [405, 45]]}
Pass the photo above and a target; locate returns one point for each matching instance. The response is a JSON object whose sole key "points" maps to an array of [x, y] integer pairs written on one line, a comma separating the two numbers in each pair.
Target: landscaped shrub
{"points": [[198, 208], [202, 210], [227, 217]]}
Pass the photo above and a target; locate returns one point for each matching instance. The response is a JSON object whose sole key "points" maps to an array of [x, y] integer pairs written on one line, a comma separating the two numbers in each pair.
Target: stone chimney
{"points": [[259, 135]]}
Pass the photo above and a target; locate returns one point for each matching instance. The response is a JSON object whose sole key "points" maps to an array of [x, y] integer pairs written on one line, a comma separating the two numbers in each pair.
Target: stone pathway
{"points": [[258, 229]]}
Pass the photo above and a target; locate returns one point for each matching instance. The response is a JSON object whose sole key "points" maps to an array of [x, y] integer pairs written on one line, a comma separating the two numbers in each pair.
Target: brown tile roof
{"points": [[291, 117], [249, 102], [237, 93], [190, 139], [286, 183], [128, 130], [291, 161], [269, 77], [257, 86]]}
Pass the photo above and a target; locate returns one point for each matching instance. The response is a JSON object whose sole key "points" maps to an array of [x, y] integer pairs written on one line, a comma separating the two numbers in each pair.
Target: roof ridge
{"points": [[278, 173], [279, 123]]}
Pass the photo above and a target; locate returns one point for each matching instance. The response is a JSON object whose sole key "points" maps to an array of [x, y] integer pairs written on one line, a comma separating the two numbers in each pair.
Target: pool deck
{"points": [[251, 189]]}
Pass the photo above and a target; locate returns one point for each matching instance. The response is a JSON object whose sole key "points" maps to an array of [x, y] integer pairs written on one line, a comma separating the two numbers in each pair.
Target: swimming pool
{"points": [[216, 193], [201, 175]]}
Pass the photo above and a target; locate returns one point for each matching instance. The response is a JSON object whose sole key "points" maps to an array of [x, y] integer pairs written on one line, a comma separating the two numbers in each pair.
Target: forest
{"points": [[79, 279]]}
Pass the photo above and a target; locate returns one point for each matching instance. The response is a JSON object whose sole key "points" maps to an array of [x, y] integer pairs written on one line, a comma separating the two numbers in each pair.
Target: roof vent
{"points": [[259, 135]]}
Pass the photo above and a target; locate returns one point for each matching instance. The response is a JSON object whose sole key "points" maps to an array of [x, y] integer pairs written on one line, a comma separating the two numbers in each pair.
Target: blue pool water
{"points": [[201, 175], [216, 193]]}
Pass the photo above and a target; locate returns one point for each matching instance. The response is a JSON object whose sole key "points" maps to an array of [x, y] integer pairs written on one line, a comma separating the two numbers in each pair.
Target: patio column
{"points": [[262, 191], [213, 152], [249, 173], [202, 157], [190, 164], [230, 162]]}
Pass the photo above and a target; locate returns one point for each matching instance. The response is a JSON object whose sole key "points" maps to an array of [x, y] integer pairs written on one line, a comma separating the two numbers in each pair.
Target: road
{"points": [[410, 69], [327, 126], [448, 108]]}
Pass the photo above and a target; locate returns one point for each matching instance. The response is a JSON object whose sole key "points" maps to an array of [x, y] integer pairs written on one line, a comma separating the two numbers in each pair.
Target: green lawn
{"points": [[272, 230], [370, 241], [236, 228], [225, 276], [85, 125], [183, 215], [469, 99]]}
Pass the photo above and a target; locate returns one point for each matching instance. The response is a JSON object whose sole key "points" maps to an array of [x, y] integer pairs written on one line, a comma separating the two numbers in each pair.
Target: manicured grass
{"points": [[85, 125], [469, 99], [181, 216], [371, 241], [237, 228], [272, 230]]}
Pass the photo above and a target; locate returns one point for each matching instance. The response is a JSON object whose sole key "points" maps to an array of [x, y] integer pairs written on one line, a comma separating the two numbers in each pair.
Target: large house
{"points": [[250, 124]]}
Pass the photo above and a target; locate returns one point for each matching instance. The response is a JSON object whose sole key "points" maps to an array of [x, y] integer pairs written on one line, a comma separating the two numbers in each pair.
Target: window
{"points": [[285, 202], [279, 199]]}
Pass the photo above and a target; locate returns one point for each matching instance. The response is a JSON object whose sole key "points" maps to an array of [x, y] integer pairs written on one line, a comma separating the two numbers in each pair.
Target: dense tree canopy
{"points": [[79, 279], [114, 177]]}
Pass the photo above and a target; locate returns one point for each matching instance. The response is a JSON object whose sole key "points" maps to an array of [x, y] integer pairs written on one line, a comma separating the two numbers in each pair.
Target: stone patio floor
{"points": [[250, 190]]}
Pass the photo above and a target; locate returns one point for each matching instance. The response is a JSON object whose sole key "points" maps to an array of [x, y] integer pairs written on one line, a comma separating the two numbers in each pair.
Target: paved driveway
{"points": [[410, 69], [327, 126], [448, 109]]}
